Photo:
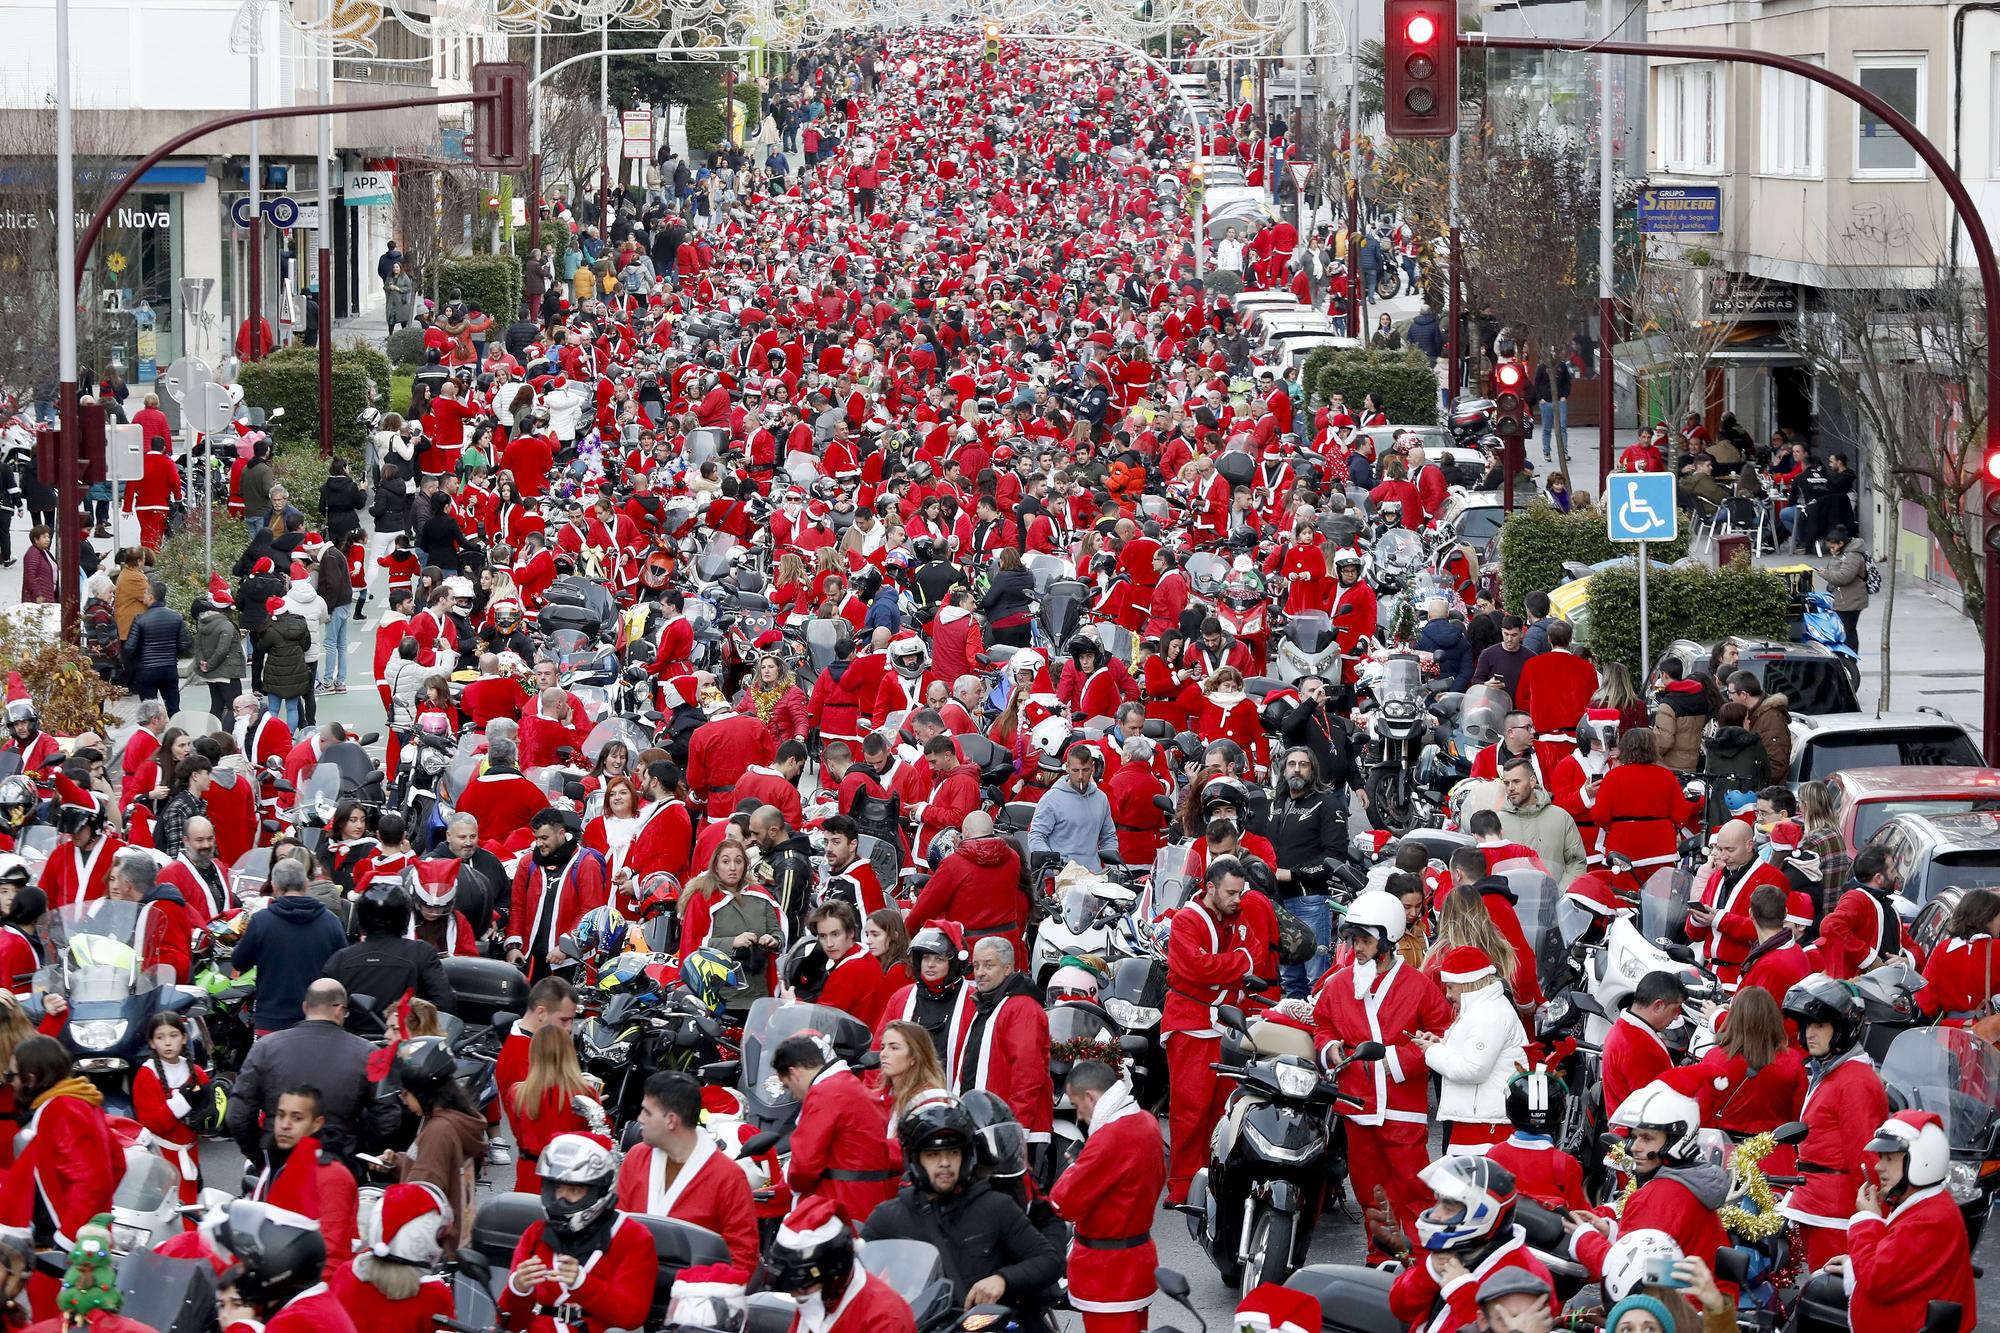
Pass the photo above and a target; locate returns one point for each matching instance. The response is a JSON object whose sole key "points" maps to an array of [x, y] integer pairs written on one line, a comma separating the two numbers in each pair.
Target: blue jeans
{"points": [[1555, 422], [1316, 910], [288, 709], [333, 666]]}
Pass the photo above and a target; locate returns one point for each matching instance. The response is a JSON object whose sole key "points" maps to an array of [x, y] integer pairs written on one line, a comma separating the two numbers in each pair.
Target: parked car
{"points": [[1812, 678], [1931, 853], [1825, 745], [1868, 798]]}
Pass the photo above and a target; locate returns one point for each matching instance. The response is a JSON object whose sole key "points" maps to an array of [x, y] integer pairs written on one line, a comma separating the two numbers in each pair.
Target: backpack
{"points": [[1871, 574]]}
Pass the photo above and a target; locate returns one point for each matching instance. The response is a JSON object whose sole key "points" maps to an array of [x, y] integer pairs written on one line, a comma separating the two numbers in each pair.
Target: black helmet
{"points": [[816, 1254], [577, 1159], [1821, 999], [923, 550], [933, 940], [803, 968], [1536, 1100], [1225, 791], [1084, 643], [423, 1066], [17, 802], [384, 909], [939, 1126], [277, 1254], [1003, 1144]]}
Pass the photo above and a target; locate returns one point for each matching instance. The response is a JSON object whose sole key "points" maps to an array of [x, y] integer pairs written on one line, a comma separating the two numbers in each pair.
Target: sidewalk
{"points": [[367, 325]]}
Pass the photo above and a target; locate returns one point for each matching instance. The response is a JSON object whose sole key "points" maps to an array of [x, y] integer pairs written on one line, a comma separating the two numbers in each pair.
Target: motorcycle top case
{"points": [[485, 987], [1351, 1299]]}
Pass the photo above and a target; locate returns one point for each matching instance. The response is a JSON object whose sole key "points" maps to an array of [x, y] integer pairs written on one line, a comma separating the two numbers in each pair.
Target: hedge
{"points": [[180, 564], [1537, 541], [290, 379], [1403, 380], [492, 282], [1223, 282], [1684, 602], [406, 346], [704, 119]]}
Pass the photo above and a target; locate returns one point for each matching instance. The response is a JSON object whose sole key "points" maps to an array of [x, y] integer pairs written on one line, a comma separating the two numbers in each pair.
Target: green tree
{"points": [[634, 80]]}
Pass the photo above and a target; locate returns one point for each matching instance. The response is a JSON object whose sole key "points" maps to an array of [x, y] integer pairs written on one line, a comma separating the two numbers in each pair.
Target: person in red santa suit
{"points": [[1718, 920], [841, 1150], [1635, 1052], [676, 1171], [676, 644], [556, 883], [390, 1287], [903, 686], [1465, 1236], [70, 1162], [158, 486], [585, 1267], [1556, 686], [1379, 998], [1109, 1195], [1006, 1051], [977, 886], [955, 791], [1093, 683], [300, 1179], [1906, 1243], [1536, 1100], [274, 1279], [25, 737], [1844, 1098], [1864, 929], [811, 1259], [500, 796], [664, 840], [163, 1092], [79, 869], [1211, 958], [853, 982], [1678, 1191], [1228, 714], [1640, 807]]}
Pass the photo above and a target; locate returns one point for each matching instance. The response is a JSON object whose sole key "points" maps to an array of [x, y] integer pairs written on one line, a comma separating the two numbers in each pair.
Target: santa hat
{"points": [[1594, 894], [1466, 964], [218, 591], [1905, 1126], [813, 1223], [724, 1282], [682, 690], [1689, 1080], [298, 572], [1786, 834], [719, 1101], [263, 565], [409, 1226], [1270, 1308], [17, 689], [274, 605], [71, 796], [295, 1189]]}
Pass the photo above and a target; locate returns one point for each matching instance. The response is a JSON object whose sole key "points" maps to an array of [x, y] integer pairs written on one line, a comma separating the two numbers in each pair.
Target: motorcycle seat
{"points": [[1270, 1038]]}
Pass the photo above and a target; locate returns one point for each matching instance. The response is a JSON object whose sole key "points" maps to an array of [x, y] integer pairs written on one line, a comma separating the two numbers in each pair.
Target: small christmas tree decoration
{"points": [[91, 1283]]}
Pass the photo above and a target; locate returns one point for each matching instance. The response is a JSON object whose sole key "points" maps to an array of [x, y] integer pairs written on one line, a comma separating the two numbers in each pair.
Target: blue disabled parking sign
{"points": [[1639, 507]]}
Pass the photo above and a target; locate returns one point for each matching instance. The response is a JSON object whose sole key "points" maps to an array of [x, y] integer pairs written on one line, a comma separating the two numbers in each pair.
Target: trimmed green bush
{"points": [[1685, 602], [1223, 282], [406, 346], [290, 379], [492, 282], [181, 567], [1537, 541], [704, 119], [1403, 380]]}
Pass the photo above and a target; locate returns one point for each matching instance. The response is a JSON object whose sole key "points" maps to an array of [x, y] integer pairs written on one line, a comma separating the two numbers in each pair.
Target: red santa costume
{"points": [[1207, 959], [614, 1288], [159, 1100], [1725, 939], [841, 1150], [1844, 1102], [902, 1006], [1231, 715], [68, 1168], [1006, 1052], [1386, 1133], [1109, 1196], [547, 903], [978, 886], [1554, 691], [1541, 1171], [1436, 1304], [1634, 1056], [314, 1310], [720, 753], [663, 841], [80, 875], [708, 1189], [1897, 1265], [866, 1304], [317, 1188], [406, 1232]]}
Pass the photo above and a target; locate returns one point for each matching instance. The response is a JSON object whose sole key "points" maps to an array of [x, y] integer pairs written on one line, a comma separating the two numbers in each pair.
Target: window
{"points": [[1794, 127], [1899, 81], [1691, 119]]}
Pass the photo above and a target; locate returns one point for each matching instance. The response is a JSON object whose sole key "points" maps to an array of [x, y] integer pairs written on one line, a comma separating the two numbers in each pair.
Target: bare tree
{"points": [[1666, 309], [1910, 366]]}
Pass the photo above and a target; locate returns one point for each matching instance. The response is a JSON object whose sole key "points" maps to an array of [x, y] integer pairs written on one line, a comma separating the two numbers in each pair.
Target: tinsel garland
{"points": [[1083, 1048], [1761, 1220], [1622, 1160]]}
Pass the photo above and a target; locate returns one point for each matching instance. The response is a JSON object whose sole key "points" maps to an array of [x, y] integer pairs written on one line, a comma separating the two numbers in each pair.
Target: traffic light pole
{"points": [[69, 278], [1975, 234]]}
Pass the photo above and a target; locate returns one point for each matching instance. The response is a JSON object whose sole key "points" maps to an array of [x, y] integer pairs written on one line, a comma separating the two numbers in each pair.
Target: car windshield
{"points": [[1902, 747], [1951, 1072], [1870, 816], [1479, 524], [1812, 686]]}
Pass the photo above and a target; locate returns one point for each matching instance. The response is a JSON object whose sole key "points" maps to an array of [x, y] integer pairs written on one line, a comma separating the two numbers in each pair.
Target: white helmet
{"points": [[1675, 1114], [1026, 659], [1921, 1135], [908, 647], [1630, 1256], [1379, 911], [1050, 736]]}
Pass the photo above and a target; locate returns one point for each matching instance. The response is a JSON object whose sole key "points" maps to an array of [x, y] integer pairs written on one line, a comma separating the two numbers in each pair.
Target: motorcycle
{"points": [[1307, 647], [1957, 1075], [1396, 732], [1134, 999], [97, 953], [1253, 1208], [1089, 910]]}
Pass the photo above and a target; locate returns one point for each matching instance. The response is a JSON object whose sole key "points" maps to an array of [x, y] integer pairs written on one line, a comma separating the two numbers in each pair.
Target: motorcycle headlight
{"points": [[99, 1034], [1962, 1182], [126, 1239], [1401, 710], [1295, 1080], [1129, 1015], [1552, 1013]]}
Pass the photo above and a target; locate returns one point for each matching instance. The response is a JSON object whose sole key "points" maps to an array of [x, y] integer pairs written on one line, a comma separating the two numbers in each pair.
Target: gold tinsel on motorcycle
{"points": [[1760, 1220]]}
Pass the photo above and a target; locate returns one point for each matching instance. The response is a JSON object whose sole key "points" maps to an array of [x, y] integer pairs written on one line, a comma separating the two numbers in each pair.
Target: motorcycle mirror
{"points": [[1367, 1051], [282, 785], [573, 789], [1942, 1316], [1172, 1283], [365, 1003], [375, 776], [1732, 1265], [474, 1264], [1680, 953], [722, 1073], [870, 1060], [1791, 1132], [370, 737], [1232, 1018], [759, 1143], [1588, 1004], [1164, 802], [1132, 1045]]}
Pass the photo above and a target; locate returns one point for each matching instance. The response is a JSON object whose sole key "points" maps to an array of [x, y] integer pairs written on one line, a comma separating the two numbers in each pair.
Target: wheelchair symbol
{"points": [[1637, 516]]}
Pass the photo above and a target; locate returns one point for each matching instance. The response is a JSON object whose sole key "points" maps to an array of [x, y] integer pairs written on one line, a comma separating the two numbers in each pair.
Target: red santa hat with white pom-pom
{"points": [[409, 1227], [1270, 1308]]}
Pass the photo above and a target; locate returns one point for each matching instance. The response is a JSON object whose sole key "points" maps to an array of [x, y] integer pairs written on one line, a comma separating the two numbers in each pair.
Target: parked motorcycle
{"points": [[97, 960]]}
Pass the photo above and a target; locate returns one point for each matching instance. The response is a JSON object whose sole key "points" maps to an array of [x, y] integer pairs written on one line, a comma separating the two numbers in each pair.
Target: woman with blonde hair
{"points": [[1464, 923], [1819, 814], [543, 1104], [396, 1264], [910, 1069], [1615, 690], [725, 908]]}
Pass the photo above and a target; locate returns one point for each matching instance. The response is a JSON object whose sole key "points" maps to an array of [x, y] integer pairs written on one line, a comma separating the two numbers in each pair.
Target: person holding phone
{"points": [[1906, 1243]]}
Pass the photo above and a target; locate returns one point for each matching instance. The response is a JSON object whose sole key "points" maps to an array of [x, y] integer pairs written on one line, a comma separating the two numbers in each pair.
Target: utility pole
{"points": [[256, 240], [535, 148], [325, 332], [69, 507], [1355, 298], [1454, 275], [1607, 438], [604, 121]]}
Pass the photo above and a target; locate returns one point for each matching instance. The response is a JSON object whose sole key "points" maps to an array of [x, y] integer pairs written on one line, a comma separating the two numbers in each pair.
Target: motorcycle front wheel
{"points": [[1388, 800], [1270, 1257]]}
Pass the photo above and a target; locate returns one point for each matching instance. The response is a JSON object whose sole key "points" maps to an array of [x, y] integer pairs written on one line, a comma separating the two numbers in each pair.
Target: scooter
{"points": [[1253, 1208], [1083, 926]]}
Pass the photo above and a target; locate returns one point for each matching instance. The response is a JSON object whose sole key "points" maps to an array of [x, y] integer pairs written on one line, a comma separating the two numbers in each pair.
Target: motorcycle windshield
{"points": [[1205, 572], [1663, 903], [1535, 900], [196, 722], [1073, 1022], [1169, 886], [34, 845], [910, 1267], [622, 730], [1399, 548], [770, 1021], [102, 946], [145, 1184], [320, 792], [1079, 908], [465, 762], [1949, 1071], [1402, 678], [713, 562], [352, 762], [551, 780], [1488, 703], [822, 636], [250, 874], [568, 649], [1310, 633]]}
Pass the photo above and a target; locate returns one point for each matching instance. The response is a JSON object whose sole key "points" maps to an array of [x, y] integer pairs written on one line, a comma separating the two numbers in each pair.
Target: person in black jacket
{"points": [[1316, 726], [991, 1252], [385, 966], [154, 647], [1308, 824], [341, 501], [1006, 603]]}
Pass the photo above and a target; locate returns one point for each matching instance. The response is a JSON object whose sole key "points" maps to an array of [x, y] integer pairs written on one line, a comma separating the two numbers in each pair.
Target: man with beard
{"points": [[789, 856], [1007, 1047], [197, 874], [552, 888], [940, 1000], [1308, 830], [481, 876]]}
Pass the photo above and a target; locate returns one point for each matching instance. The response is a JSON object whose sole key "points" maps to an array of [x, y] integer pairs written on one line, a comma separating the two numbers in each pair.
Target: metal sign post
{"points": [[1639, 508]]}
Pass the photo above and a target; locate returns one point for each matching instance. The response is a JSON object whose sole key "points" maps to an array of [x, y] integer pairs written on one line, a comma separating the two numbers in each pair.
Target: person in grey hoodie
{"points": [[1073, 819], [288, 943]]}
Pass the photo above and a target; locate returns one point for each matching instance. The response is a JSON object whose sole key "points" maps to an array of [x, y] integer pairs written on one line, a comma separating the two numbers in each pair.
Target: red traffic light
{"points": [[1420, 30], [1509, 375], [1421, 68], [1992, 467]]}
